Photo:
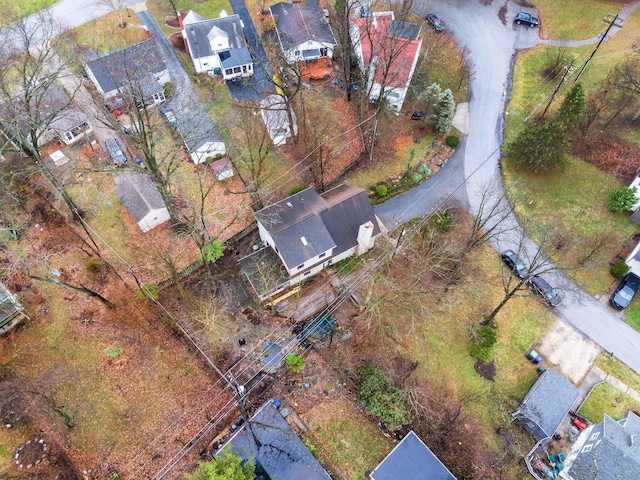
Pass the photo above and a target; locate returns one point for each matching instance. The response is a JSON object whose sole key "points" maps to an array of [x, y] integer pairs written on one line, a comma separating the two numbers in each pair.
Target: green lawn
{"points": [[618, 370], [26, 8], [208, 9], [605, 398], [572, 202], [573, 20]]}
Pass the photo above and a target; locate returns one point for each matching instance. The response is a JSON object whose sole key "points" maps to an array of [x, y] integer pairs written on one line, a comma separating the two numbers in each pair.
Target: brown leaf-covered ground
{"points": [[612, 155]]}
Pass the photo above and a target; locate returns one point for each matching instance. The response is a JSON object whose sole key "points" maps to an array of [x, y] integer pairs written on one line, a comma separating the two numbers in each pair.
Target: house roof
{"points": [[411, 459], [199, 31], [307, 223], [138, 194], [297, 24], [394, 44], [274, 114], [546, 404], [614, 453], [269, 439], [9, 305], [195, 124], [137, 63]]}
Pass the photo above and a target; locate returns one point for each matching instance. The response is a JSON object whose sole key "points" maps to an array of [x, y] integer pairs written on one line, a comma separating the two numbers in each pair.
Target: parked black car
{"points": [[524, 18], [435, 22], [625, 291], [517, 266], [540, 287], [417, 115]]}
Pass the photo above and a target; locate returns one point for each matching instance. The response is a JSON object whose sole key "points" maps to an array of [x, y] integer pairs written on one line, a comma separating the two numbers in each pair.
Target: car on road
{"points": [[169, 115], [517, 266], [625, 291], [524, 18], [115, 151], [540, 287], [435, 22]]}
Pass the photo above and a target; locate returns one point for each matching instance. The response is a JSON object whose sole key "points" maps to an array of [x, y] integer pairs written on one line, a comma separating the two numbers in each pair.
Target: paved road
{"points": [[491, 45]]}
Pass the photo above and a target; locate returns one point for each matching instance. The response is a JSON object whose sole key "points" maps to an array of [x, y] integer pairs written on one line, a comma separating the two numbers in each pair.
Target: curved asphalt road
{"points": [[491, 47]]}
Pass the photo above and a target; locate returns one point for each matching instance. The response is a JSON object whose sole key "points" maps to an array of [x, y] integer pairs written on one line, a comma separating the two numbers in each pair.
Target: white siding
{"points": [[153, 219], [208, 150]]}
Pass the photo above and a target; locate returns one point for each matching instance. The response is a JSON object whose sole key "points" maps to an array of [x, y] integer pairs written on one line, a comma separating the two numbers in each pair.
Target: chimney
{"points": [[632, 439], [365, 238]]}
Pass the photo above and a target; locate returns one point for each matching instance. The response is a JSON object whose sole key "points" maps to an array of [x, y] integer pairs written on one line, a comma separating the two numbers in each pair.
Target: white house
{"points": [[387, 52], [274, 115], [130, 75], [309, 232], [140, 196], [303, 32], [217, 45]]}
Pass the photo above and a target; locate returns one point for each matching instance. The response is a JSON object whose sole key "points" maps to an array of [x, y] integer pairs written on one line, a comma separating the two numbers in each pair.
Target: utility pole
{"points": [[597, 47], [567, 70]]}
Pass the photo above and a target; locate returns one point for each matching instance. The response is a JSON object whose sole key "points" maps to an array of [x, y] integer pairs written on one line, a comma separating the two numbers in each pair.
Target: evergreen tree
{"points": [[445, 110], [542, 146], [225, 466]]}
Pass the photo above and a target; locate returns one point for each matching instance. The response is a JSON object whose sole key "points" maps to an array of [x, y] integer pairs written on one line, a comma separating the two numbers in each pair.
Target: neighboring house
{"points": [[55, 111], [609, 450], [140, 196], [199, 134], [546, 404], [271, 442], [132, 75], [303, 32], [273, 110], [411, 459], [633, 260], [387, 52], [217, 45], [309, 232], [11, 312]]}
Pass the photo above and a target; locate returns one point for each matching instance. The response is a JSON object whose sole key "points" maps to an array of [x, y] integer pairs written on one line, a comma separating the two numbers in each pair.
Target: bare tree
{"points": [[115, 6], [173, 6]]}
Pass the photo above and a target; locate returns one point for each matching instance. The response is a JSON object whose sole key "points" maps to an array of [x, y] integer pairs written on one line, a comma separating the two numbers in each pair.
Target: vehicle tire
{"points": [[532, 25]]}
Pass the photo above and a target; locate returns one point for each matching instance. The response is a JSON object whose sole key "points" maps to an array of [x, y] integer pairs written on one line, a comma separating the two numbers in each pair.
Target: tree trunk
{"points": [[509, 295], [81, 288]]}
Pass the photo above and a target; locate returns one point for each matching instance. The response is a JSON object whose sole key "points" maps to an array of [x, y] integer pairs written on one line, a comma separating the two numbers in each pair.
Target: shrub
{"points": [[381, 191], [114, 352], [148, 290], [381, 398], [452, 141], [295, 363], [298, 188], [619, 269], [622, 199], [212, 251], [167, 88], [483, 338], [93, 266], [441, 220]]}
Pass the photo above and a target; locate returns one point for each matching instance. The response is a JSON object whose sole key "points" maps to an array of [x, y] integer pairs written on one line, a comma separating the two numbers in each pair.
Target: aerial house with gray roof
{"points": [[217, 45], [308, 232], [140, 196], [547, 403], [303, 32]]}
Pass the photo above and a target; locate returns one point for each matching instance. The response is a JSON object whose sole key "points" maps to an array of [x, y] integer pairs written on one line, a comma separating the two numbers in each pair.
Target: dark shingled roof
{"points": [[406, 30], [296, 24], [138, 194], [611, 451], [139, 63], [546, 404], [269, 439], [411, 459], [326, 221], [198, 30]]}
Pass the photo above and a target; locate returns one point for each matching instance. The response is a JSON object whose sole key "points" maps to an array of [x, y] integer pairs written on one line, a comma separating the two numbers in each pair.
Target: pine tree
{"points": [[445, 110]]}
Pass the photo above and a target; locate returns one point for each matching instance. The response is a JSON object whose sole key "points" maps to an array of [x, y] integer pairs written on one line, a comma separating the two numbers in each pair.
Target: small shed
{"points": [[546, 404], [140, 196], [11, 312], [273, 110], [222, 169], [411, 459]]}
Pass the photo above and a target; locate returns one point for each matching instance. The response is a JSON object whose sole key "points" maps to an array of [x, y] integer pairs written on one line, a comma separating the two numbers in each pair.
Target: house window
{"points": [[159, 97], [594, 436], [69, 135], [236, 69], [276, 249], [322, 254], [587, 448], [324, 52], [297, 53], [307, 273], [228, 71], [300, 267]]}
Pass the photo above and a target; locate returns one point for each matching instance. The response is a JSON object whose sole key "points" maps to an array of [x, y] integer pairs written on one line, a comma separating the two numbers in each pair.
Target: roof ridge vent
{"points": [[304, 241]]}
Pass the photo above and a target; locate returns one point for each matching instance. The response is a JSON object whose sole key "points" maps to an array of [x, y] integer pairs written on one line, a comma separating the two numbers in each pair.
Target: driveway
{"points": [[491, 46]]}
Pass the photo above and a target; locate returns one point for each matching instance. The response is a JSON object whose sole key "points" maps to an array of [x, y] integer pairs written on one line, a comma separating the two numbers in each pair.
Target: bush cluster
{"points": [[622, 199], [483, 338], [381, 398], [381, 191], [619, 269], [452, 140]]}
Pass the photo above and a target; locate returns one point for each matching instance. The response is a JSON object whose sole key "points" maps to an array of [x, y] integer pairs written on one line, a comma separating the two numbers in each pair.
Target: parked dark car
{"points": [[435, 22], [524, 18], [417, 115], [169, 115], [115, 151], [517, 266], [540, 287], [625, 291]]}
